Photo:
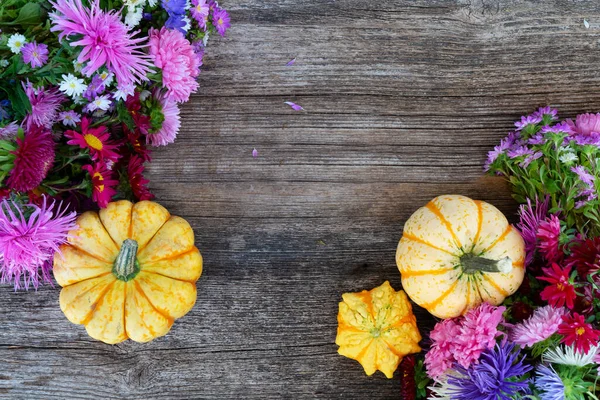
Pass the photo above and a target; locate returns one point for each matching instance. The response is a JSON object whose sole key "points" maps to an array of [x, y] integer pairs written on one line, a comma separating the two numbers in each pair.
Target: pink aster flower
{"points": [[44, 105], [35, 54], [478, 332], [585, 124], [104, 38], [29, 237], [33, 159], [549, 239], [540, 326], [440, 357], [170, 126], [175, 56], [221, 20]]}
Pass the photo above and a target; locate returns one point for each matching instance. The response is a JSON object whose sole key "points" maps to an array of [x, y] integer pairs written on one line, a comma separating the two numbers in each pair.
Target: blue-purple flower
{"points": [[549, 383], [499, 375], [176, 11]]}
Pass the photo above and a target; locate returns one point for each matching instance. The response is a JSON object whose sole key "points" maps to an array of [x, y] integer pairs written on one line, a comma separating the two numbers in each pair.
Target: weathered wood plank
{"points": [[403, 100]]}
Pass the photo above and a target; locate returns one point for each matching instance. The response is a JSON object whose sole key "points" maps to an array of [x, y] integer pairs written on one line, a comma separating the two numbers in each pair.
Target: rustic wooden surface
{"points": [[403, 99]]}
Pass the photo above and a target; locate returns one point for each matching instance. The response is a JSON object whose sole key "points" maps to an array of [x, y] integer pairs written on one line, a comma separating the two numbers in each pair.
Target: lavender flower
{"points": [[176, 11], [525, 163], [538, 138], [530, 218], [497, 376], [583, 175], [543, 111], [532, 119], [95, 88], [9, 131], [35, 54], [549, 383], [561, 127], [520, 151], [592, 139], [29, 237]]}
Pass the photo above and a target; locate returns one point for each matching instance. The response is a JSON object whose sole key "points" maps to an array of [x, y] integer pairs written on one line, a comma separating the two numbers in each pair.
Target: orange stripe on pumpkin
{"points": [[360, 355], [366, 297], [409, 274], [519, 263], [412, 237], [436, 211], [479, 221], [437, 301], [499, 239], [495, 285]]}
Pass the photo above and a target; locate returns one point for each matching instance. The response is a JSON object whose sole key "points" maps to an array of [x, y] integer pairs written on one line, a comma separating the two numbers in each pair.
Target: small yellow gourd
{"points": [[377, 328], [128, 271], [456, 253]]}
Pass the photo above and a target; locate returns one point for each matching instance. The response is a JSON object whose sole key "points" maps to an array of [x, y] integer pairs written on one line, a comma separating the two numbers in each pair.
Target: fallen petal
{"points": [[254, 153], [291, 62], [294, 106]]}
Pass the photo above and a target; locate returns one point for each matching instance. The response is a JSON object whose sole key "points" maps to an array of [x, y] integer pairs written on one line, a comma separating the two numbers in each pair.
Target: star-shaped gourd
{"points": [[377, 328]]}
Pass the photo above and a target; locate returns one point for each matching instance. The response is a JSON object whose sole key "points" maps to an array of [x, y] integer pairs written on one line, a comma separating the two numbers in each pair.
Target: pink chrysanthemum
{"points": [[478, 332], [174, 55], [549, 239], [28, 243], [170, 126], [585, 124], [105, 39], [540, 326], [35, 54], [44, 105], [102, 183], [441, 357], [33, 159]]}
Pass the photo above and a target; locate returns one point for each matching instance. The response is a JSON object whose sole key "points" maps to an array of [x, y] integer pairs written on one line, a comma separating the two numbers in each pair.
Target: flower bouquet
{"points": [[87, 87], [530, 329]]}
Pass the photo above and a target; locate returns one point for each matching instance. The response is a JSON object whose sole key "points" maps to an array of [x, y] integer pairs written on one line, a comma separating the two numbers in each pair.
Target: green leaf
{"points": [[30, 14]]}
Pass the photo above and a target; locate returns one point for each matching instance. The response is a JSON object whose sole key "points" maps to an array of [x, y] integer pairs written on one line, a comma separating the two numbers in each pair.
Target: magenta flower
{"points": [[29, 237], [540, 326], [585, 124], [221, 20], [441, 355], [44, 105], [530, 218], [105, 40], [33, 159], [549, 239], [35, 54], [170, 126], [175, 56]]}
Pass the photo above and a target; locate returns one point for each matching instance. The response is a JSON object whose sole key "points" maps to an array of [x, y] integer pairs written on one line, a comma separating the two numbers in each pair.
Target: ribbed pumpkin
{"points": [[456, 253], [128, 271], [377, 328]]}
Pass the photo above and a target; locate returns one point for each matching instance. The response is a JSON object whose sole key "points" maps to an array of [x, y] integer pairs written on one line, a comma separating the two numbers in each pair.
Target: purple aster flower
{"points": [[35, 54], [44, 105], [538, 138], [561, 127], [540, 326], [291, 62], [583, 175], [532, 119], [176, 23], [529, 159], [199, 10], [199, 50], [592, 139], [221, 20], [29, 237], [520, 151], [9, 131], [95, 88], [497, 376], [530, 218], [550, 112], [69, 118], [549, 383]]}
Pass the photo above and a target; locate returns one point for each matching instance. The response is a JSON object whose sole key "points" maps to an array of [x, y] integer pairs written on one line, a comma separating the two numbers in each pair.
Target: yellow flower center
{"points": [[560, 286], [99, 187], [220, 21], [580, 331], [35, 54], [17, 44], [93, 142]]}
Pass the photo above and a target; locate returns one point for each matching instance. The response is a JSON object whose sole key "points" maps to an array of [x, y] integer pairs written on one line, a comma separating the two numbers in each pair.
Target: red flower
{"points": [[135, 170], [585, 256], [142, 121], [138, 146], [102, 191], [579, 333], [560, 290], [548, 235], [34, 157], [94, 139]]}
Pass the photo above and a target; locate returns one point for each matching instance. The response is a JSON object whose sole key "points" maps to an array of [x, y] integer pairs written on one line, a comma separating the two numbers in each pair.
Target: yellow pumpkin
{"points": [[128, 271], [456, 253], [377, 328]]}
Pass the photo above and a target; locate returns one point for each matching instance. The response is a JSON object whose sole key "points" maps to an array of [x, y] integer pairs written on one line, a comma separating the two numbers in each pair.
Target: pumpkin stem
{"points": [[472, 264], [126, 266]]}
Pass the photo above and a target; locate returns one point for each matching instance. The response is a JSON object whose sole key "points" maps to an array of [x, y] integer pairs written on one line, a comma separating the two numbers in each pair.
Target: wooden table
{"points": [[403, 100]]}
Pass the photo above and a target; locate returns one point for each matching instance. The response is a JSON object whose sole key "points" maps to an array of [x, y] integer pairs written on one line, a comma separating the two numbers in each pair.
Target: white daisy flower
{"points": [[135, 3], [16, 42], [99, 103], [152, 3], [77, 65], [568, 157], [144, 95], [107, 77], [123, 92], [568, 356], [133, 17], [72, 86]]}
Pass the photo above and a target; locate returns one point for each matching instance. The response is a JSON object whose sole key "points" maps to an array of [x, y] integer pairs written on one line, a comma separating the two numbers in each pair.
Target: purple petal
{"points": [[294, 106], [254, 153], [291, 62]]}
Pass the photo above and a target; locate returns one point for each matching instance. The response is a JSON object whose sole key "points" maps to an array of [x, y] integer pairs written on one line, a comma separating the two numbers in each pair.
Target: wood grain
{"points": [[403, 100]]}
